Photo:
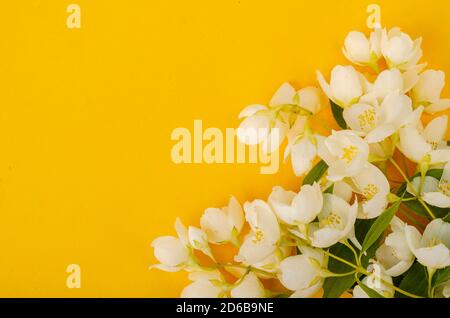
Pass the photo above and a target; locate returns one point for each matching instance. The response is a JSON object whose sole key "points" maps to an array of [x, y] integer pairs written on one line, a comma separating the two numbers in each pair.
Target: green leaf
{"points": [[379, 226], [441, 276], [316, 173], [362, 227], [369, 291], [415, 281], [334, 287], [338, 114]]}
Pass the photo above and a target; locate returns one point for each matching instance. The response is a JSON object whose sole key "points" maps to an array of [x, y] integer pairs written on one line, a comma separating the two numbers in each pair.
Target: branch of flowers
{"points": [[427, 208], [367, 273]]}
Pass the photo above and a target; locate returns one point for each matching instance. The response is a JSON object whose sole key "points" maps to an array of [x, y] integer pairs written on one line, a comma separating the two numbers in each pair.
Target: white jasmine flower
{"points": [[269, 126], [302, 273], [399, 50], [336, 221], [308, 98], [434, 192], [425, 145], [431, 248], [391, 81], [249, 287], [268, 266], [375, 281], [303, 152], [427, 91], [346, 85], [223, 225], [362, 51], [206, 284], [301, 208], [264, 235], [394, 254], [345, 153], [261, 127], [374, 187], [173, 253], [379, 122]]}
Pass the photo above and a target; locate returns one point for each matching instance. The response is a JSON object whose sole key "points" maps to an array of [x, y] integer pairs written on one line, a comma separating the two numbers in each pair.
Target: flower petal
{"points": [[284, 95]]}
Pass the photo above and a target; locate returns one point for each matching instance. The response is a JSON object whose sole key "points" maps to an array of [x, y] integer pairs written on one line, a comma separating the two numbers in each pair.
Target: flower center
{"points": [[444, 187], [367, 119], [370, 191], [349, 153], [259, 235], [332, 220], [433, 144]]}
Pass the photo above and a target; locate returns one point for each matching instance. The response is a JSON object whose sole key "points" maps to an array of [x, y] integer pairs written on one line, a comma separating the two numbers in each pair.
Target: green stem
{"points": [[291, 108], [430, 279], [427, 208], [367, 273], [357, 258], [331, 274]]}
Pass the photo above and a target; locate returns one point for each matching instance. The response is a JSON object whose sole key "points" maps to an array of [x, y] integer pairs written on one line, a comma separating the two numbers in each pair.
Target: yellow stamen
{"points": [[367, 119], [444, 187], [349, 153], [333, 220], [370, 191], [259, 235]]}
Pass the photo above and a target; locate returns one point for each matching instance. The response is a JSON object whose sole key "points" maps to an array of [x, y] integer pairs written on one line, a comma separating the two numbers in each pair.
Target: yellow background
{"points": [[86, 116]]}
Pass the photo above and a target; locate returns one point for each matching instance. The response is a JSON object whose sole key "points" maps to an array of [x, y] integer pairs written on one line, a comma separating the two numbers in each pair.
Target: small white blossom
{"points": [[427, 91], [394, 254], [431, 248], [297, 208], [360, 50], [346, 85], [377, 123], [302, 273], [345, 153], [374, 187], [336, 222], [264, 235], [399, 50], [434, 192], [425, 145], [223, 225]]}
